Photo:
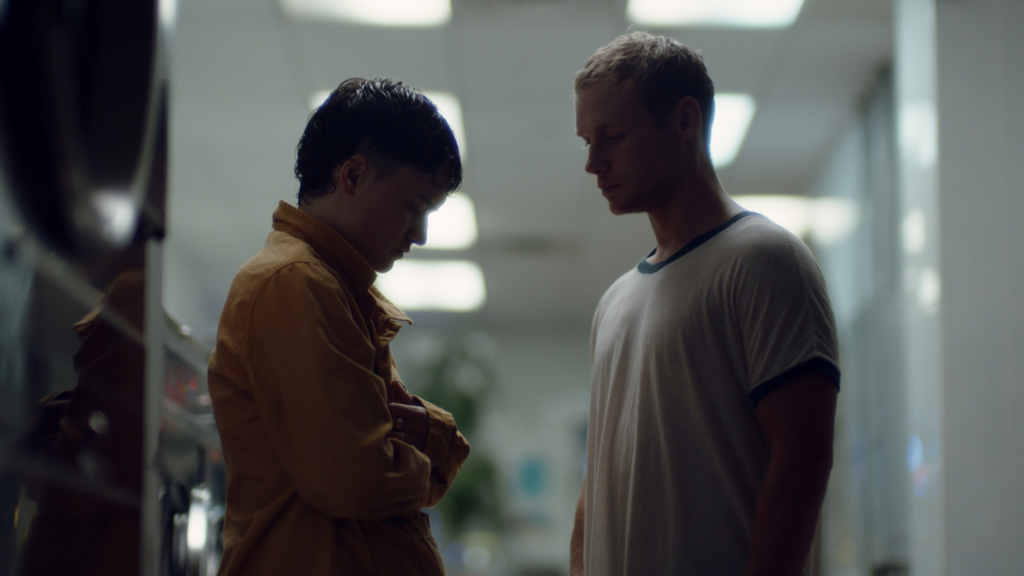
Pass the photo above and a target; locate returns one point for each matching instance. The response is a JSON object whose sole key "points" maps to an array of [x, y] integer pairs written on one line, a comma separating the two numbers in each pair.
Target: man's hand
{"points": [[409, 420]]}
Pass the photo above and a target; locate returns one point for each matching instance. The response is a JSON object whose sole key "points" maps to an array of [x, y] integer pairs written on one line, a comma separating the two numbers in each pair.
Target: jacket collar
{"points": [[336, 252]]}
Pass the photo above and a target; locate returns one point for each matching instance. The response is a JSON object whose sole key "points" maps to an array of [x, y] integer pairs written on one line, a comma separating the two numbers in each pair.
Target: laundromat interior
{"points": [[144, 148]]}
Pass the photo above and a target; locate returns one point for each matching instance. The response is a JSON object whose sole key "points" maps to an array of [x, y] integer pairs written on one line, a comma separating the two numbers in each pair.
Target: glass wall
{"points": [[865, 518]]}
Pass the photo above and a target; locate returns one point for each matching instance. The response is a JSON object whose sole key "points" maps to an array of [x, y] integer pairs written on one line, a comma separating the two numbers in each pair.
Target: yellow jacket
{"points": [[298, 381]]}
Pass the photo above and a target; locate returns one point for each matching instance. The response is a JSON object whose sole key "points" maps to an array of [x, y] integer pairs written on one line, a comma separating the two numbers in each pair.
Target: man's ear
{"points": [[347, 175], [688, 117]]}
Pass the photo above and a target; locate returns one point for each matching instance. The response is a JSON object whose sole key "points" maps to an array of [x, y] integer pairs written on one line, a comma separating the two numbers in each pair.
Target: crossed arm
{"points": [[331, 426], [797, 422]]}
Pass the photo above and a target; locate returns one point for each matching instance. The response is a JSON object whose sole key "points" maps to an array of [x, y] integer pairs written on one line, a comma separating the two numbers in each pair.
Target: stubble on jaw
{"points": [[640, 202]]}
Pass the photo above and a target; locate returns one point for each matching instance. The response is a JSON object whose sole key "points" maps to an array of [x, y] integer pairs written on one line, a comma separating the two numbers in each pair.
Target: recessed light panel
{"points": [[445, 285], [733, 113], [729, 13], [397, 13], [453, 226], [168, 12]]}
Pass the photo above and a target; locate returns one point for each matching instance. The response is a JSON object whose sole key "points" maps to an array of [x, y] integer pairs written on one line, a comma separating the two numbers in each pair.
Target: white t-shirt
{"points": [[681, 352]]}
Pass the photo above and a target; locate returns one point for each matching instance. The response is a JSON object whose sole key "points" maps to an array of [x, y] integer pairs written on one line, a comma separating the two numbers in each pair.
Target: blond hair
{"points": [[663, 72]]}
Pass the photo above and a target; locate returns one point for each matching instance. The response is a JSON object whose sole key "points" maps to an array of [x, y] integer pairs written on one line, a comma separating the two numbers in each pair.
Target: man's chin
{"points": [[619, 208], [636, 203]]}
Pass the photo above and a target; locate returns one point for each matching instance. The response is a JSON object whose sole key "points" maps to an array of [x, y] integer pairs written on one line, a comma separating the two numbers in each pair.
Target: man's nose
{"points": [[418, 232], [596, 162]]}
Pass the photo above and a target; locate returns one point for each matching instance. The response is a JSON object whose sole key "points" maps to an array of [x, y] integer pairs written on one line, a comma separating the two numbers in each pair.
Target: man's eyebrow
{"points": [[596, 129]]}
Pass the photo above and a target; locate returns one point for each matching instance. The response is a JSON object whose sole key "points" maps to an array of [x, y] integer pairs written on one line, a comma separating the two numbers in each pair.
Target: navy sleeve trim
{"points": [[819, 365]]}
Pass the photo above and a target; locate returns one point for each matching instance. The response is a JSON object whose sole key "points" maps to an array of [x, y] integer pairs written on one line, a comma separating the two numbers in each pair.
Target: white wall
{"points": [[927, 293], [917, 109], [864, 519], [980, 54]]}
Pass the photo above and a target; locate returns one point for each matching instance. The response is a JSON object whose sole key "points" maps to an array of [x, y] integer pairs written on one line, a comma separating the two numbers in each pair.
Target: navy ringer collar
{"points": [[645, 267]]}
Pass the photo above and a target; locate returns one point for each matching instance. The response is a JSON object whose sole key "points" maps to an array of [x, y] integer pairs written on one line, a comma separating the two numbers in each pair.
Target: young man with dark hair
{"points": [[329, 459], [714, 360]]}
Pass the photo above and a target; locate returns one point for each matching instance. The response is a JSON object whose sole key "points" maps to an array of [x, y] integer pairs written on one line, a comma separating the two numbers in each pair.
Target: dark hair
{"points": [[663, 72], [391, 124]]}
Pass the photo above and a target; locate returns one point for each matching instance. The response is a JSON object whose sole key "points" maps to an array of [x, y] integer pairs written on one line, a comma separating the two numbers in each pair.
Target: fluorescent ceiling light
{"points": [[168, 12], [733, 113], [734, 13], [825, 220], [398, 13], [453, 226], [446, 285], [447, 103]]}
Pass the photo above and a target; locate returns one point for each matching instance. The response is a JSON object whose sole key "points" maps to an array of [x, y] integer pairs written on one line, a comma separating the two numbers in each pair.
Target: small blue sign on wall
{"points": [[533, 476]]}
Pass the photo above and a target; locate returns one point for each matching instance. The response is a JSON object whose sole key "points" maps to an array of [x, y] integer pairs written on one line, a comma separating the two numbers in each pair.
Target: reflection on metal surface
{"points": [[195, 537], [78, 118], [82, 330], [117, 212], [191, 465], [80, 459], [99, 423]]}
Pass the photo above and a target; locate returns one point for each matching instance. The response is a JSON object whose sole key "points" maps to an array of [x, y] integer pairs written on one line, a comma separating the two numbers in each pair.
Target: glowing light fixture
{"points": [[446, 285], [733, 113], [729, 13], [453, 226], [168, 12], [397, 13], [447, 103], [824, 220]]}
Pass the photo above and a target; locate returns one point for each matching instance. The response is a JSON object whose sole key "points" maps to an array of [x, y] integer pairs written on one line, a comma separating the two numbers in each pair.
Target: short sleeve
{"points": [[784, 314]]}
